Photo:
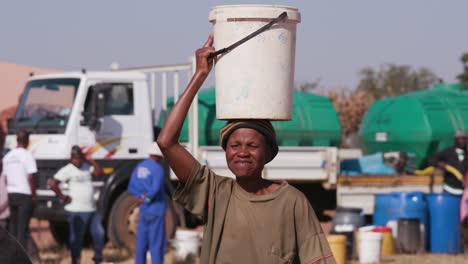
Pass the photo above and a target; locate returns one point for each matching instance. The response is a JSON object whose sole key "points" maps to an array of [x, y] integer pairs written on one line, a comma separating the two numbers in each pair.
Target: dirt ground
{"points": [[51, 253]]}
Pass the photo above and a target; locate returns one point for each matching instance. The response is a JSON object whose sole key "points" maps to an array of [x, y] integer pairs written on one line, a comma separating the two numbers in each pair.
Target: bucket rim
{"points": [[382, 229], [256, 5], [349, 209], [253, 11], [336, 238], [370, 235]]}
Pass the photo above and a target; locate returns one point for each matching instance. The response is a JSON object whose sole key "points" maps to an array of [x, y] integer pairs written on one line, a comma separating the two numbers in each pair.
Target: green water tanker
{"points": [[315, 121], [421, 122]]}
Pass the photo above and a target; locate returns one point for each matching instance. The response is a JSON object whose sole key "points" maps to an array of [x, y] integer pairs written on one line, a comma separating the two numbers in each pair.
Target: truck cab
{"points": [[107, 114]]}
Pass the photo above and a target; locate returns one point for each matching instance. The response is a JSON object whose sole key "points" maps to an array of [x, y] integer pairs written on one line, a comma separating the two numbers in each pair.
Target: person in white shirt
{"points": [[19, 166], [80, 204]]}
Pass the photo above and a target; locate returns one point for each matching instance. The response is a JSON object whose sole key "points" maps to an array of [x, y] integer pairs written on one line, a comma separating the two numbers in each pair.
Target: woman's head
{"points": [[249, 145]]}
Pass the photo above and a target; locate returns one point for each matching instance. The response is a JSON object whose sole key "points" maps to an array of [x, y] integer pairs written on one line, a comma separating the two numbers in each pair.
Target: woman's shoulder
{"points": [[293, 192]]}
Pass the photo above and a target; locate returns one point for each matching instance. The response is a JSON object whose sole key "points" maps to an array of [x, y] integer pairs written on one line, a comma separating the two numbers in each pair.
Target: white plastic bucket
{"points": [[255, 80], [186, 242], [369, 247]]}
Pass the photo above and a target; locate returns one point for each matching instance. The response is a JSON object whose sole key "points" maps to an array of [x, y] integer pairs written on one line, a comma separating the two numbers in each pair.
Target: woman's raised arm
{"points": [[179, 159]]}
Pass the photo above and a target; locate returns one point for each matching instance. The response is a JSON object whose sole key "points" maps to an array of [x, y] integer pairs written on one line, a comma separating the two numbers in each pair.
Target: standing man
{"points": [[19, 166], [80, 204], [455, 156], [147, 185]]}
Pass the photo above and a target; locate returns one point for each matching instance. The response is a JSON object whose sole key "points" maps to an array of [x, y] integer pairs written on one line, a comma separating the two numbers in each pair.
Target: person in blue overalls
{"points": [[147, 185]]}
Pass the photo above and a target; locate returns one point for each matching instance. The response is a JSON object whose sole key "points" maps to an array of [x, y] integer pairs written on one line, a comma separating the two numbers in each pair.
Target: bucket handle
{"points": [[281, 17]]}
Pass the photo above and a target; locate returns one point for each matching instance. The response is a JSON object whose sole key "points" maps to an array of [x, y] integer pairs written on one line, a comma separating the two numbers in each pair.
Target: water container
{"points": [[314, 121], [369, 247], [410, 205], [186, 242], [255, 80], [382, 203], [409, 235], [444, 212], [421, 122], [387, 240], [338, 247], [345, 222], [347, 219]]}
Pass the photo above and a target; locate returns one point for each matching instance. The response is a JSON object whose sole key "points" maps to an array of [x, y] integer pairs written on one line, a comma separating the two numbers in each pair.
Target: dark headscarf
{"points": [[263, 126]]}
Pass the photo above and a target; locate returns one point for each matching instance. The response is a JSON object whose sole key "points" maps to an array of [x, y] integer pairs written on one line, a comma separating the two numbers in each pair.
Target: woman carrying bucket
{"points": [[249, 219]]}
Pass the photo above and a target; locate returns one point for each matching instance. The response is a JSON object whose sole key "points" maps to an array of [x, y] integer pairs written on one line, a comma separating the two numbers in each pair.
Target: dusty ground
{"points": [[51, 253]]}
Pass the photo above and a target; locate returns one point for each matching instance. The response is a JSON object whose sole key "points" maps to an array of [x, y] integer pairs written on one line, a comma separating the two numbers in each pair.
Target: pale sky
{"points": [[334, 40]]}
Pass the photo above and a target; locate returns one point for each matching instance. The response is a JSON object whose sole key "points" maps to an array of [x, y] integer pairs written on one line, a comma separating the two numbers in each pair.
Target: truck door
{"points": [[112, 134]]}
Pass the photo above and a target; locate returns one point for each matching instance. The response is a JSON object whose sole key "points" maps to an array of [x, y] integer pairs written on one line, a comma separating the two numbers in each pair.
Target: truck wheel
{"points": [[123, 219], [59, 231]]}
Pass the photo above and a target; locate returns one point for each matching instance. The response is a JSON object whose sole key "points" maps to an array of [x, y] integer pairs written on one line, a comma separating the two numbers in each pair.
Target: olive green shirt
{"points": [[240, 227]]}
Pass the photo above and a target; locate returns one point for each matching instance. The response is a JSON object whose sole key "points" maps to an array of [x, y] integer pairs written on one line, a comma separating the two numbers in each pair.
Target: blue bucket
{"points": [[444, 212]]}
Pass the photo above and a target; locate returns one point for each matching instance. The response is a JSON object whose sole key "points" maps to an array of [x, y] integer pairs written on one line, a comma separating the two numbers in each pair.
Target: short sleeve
{"points": [[195, 193], [63, 174], [312, 243], [30, 163]]}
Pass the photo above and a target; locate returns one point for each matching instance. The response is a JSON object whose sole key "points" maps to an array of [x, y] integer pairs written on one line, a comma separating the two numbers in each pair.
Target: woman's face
{"points": [[246, 152]]}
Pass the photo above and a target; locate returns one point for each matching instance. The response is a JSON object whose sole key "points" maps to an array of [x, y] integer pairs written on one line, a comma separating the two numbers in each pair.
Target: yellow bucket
{"points": [[387, 248], [338, 247]]}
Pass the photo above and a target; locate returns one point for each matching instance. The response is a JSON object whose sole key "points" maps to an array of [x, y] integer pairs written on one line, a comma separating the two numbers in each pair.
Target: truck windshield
{"points": [[45, 106]]}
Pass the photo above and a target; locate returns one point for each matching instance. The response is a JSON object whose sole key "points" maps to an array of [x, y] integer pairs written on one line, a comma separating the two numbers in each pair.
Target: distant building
{"points": [[13, 77]]}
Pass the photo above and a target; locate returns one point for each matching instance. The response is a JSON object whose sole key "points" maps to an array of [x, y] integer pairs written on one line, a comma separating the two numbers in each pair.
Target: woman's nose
{"points": [[243, 151]]}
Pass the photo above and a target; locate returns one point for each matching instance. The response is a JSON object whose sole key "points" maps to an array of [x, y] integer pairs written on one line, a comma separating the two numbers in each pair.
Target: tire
{"points": [[123, 218], [59, 231]]}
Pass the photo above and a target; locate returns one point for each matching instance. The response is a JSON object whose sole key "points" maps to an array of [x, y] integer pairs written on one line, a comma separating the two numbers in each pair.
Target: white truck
{"points": [[112, 116]]}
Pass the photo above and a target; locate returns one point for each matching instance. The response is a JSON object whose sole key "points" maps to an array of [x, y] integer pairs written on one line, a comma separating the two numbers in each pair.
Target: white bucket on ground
{"points": [[186, 242], [255, 80], [369, 247]]}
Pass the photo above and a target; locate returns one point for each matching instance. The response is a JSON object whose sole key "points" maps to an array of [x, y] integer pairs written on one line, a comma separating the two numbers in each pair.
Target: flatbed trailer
{"points": [[359, 191]]}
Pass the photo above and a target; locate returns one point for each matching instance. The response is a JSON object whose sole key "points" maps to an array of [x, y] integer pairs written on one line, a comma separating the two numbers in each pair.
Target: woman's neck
{"points": [[257, 185]]}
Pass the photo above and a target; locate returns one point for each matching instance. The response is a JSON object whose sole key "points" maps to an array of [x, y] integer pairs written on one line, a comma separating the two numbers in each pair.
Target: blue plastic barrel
{"points": [[381, 205], [444, 212], [411, 205], [408, 205]]}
